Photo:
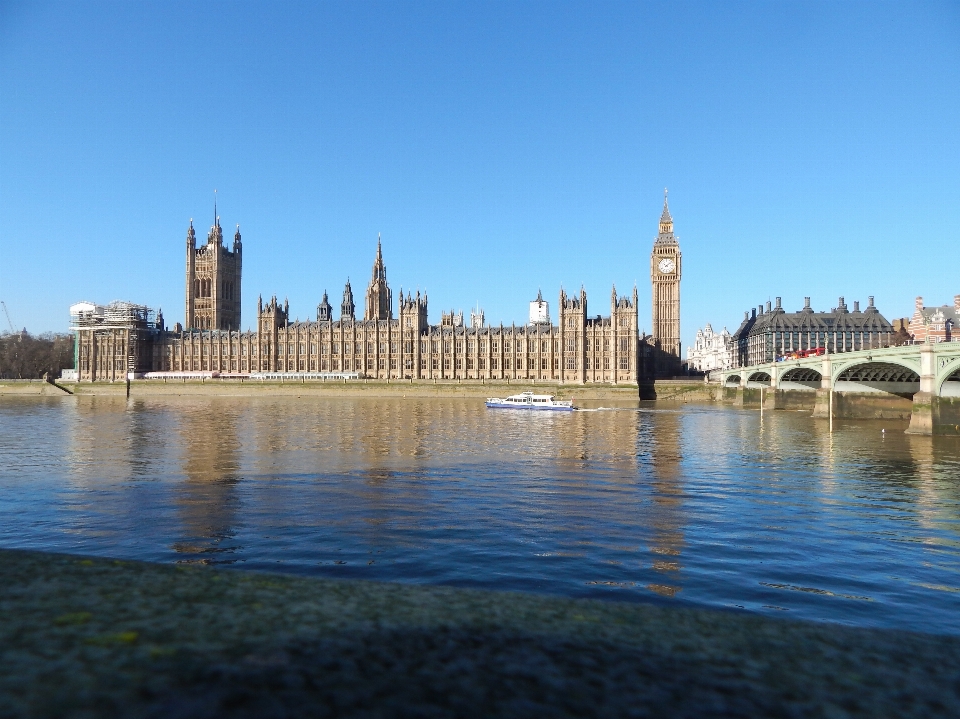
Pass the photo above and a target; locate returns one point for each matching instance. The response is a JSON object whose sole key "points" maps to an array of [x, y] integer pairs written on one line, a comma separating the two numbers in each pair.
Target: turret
{"points": [[348, 310], [324, 310]]}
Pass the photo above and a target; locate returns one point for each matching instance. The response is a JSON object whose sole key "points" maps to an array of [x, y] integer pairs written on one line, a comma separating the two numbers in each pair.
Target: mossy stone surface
{"points": [[86, 637]]}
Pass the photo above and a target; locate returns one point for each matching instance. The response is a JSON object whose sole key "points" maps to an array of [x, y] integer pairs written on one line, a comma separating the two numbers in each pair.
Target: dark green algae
{"points": [[87, 637]]}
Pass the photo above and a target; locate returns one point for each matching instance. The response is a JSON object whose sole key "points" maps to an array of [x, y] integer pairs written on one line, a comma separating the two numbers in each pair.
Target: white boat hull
{"points": [[547, 408]]}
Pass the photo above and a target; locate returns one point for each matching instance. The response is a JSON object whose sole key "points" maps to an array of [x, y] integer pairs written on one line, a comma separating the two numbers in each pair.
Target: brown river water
{"points": [[694, 505]]}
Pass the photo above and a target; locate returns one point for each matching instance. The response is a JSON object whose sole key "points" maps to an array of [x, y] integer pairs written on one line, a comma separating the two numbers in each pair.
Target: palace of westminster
{"points": [[123, 340]]}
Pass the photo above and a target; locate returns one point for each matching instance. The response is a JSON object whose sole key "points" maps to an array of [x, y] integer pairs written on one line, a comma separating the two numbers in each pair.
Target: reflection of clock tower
{"points": [[665, 279]]}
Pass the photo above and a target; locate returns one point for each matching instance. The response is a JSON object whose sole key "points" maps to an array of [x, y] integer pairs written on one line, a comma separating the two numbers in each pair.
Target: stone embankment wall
{"points": [[668, 391], [37, 387]]}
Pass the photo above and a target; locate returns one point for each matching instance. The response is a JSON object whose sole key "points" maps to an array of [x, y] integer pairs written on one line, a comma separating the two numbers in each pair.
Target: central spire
{"points": [[666, 221], [379, 299]]}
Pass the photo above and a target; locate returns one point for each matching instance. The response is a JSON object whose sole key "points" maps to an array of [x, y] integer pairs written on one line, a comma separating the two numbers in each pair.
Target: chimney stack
{"points": [[856, 305], [806, 303], [778, 304], [870, 301]]}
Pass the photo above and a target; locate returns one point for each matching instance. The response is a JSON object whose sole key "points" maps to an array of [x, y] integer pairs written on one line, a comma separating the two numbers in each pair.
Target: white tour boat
{"points": [[529, 400]]}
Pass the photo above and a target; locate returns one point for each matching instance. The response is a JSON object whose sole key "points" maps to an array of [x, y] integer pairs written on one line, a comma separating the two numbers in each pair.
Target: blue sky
{"points": [[500, 147]]}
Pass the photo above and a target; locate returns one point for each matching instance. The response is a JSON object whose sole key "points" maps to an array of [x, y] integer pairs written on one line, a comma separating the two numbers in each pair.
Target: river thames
{"points": [[694, 505]]}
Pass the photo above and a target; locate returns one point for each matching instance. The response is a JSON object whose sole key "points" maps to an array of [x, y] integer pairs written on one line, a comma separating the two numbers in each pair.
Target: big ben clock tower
{"points": [[665, 281]]}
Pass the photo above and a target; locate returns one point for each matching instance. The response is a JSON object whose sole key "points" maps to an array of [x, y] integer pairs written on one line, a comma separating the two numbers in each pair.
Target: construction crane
{"points": [[7, 313]]}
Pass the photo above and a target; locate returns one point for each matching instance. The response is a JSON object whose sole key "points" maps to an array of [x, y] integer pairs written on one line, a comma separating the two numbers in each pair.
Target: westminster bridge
{"points": [[916, 382]]}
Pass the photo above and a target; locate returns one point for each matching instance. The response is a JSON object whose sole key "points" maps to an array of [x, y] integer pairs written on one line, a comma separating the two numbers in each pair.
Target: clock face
{"points": [[666, 266]]}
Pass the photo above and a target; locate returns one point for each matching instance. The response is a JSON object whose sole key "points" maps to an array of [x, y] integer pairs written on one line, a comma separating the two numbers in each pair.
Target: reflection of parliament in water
{"points": [[579, 348]]}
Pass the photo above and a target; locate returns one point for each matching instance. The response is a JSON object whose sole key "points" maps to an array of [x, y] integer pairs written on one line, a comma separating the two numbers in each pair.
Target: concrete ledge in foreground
{"points": [[101, 638]]}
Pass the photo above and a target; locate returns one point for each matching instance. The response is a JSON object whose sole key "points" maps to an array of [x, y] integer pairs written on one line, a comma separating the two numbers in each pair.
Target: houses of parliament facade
{"points": [[124, 340]]}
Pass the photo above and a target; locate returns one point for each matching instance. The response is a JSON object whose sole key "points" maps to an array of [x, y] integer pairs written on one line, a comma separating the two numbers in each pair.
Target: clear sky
{"points": [[500, 147]]}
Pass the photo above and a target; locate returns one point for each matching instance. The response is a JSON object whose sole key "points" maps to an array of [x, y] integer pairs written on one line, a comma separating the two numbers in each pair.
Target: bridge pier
{"points": [[933, 414]]}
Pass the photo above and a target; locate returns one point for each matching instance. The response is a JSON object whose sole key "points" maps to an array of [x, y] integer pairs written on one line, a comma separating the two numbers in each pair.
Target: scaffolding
{"points": [[116, 315], [137, 322]]}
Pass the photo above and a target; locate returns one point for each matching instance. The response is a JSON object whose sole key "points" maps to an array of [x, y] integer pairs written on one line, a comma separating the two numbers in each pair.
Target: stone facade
{"points": [[665, 270], [767, 334], [935, 324], [711, 350], [580, 348], [213, 280]]}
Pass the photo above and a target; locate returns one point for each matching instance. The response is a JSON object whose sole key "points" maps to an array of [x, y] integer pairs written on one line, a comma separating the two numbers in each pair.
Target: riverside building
{"points": [[711, 350], [767, 334], [580, 348]]}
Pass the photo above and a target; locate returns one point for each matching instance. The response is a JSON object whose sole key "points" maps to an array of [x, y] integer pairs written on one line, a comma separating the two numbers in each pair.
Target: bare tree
{"points": [[25, 356]]}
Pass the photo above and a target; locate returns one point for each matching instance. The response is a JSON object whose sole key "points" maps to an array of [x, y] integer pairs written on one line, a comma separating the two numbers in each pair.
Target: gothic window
{"points": [[313, 364], [393, 350], [423, 364], [436, 363], [482, 363], [596, 344], [446, 363], [543, 363], [459, 363], [323, 365], [336, 364], [606, 363], [347, 348], [571, 362], [493, 363], [624, 346], [423, 347], [408, 347], [303, 349], [313, 349], [556, 347], [556, 363], [494, 346], [571, 344], [382, 347], [586, 363], [483, 346], [471, 346], [434, 347], [623, 363]]}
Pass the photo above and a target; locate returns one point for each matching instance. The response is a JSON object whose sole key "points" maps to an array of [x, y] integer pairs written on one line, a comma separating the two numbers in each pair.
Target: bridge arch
{"points": [[801, 378], [871, 376], [732, 380], [950, 387], [760, 378]]}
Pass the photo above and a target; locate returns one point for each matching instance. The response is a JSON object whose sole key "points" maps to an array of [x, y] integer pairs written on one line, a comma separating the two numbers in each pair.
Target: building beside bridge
{"points": [[768, 333], [711, 350], [390, 340], [935, 324]]}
